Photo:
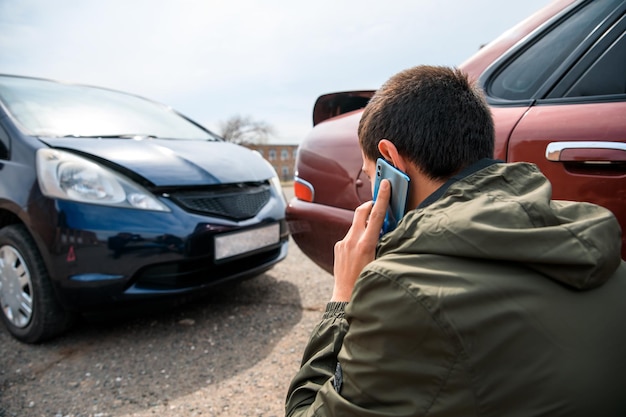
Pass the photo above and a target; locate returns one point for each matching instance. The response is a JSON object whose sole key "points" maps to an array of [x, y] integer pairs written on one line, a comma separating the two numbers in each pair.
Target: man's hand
{"points": [[358, 247]]}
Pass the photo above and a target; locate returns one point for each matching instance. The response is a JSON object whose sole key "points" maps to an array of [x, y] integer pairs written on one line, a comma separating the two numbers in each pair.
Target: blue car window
{"points": [[45, 108]]}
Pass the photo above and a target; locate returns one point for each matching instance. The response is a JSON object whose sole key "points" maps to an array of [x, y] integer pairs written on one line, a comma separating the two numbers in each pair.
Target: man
{"points": [[488, 299]]}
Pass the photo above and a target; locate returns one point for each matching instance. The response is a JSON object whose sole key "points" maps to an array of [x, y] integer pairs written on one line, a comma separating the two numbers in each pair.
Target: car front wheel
{"points": [[30, 310]]}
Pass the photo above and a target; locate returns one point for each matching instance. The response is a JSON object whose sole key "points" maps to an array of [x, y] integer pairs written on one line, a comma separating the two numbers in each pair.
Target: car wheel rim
{"points": [[16, 288]]}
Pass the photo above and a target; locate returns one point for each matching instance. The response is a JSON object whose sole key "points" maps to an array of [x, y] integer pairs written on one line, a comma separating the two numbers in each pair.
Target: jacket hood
{"points": [[166, 162], [505, 213]]}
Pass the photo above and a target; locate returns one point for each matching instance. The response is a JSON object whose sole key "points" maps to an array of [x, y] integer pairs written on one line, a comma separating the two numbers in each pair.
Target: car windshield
{"points": [[47, 108]]}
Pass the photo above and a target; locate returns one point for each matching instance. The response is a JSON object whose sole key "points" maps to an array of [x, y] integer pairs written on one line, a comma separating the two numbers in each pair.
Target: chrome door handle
{"points": [[587, 152]]}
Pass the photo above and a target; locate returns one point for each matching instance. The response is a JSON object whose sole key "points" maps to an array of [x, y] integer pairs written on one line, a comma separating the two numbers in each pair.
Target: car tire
{"points": [[29, 307]]}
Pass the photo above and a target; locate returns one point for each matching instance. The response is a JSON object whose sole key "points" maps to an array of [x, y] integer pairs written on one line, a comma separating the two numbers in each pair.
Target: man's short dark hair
{"points": [[435, 116]]}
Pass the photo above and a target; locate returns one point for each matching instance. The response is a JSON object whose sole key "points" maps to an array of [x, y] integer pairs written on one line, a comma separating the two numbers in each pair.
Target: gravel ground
{"points": [[232, 353]]}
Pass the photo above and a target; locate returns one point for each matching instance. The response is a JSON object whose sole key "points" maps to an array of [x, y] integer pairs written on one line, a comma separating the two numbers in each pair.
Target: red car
{"points": [[556, 84]]}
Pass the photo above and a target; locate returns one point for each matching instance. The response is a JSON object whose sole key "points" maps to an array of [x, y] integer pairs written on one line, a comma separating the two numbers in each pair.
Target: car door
{"points": [[575, 132]]}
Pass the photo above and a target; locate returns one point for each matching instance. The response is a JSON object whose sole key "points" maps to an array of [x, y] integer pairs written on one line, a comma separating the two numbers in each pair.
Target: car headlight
{"points": [[276, 184], [274, 181], [68, 176]]}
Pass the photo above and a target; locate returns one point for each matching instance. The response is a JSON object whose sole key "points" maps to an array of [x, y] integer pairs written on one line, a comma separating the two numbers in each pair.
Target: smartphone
{"points": [[399, 193]]}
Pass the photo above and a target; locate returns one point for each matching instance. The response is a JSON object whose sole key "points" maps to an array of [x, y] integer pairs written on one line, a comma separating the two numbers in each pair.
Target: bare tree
{"points": [[244, 130]]}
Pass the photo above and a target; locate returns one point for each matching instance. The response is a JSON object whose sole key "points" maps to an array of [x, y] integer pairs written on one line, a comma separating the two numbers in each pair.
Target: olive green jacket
{"points": [[492, 300]]}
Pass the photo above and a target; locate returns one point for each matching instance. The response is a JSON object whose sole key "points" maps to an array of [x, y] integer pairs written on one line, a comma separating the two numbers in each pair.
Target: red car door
{"points": [[574, 122], [581, 148]]}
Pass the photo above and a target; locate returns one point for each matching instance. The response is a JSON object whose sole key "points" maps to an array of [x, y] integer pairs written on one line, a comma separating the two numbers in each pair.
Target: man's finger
{"points": [[377, 215], [361, 214]]}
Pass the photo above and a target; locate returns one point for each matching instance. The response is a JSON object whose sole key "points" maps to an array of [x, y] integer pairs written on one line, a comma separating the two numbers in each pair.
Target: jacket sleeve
{"points": [[319, 361], [396, 358]]}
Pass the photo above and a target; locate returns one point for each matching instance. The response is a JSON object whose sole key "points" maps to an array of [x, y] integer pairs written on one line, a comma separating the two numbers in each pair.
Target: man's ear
{"points": [[389, 151]]}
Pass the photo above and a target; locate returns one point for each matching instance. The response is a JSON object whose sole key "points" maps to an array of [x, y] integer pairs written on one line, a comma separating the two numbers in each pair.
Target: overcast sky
{"points": [[270, 60]]}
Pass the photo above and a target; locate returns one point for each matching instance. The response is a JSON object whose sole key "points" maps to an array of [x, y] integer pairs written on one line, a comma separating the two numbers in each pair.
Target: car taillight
{"points": [[303, 190]]}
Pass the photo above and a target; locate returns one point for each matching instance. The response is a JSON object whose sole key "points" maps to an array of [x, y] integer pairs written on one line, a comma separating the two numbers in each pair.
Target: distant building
{"points": [[282, 158]]}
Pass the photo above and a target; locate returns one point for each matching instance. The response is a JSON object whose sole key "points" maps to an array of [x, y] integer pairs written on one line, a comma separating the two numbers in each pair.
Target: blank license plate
{"points": [[236, 243]]}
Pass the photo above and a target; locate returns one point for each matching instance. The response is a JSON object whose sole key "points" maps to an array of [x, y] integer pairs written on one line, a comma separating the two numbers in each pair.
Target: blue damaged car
{"points": [[109, 198]]}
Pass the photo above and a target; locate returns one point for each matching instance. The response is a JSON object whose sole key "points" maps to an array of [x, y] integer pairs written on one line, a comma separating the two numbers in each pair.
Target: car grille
{"points": [[238, 202]]}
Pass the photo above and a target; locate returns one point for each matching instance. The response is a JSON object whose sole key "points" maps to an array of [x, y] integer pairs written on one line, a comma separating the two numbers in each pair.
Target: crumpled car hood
{"points": [[166, 162]]}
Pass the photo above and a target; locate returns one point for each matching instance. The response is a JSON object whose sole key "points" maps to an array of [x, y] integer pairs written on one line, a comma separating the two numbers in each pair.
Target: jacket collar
{"points": [[475, 167]]}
